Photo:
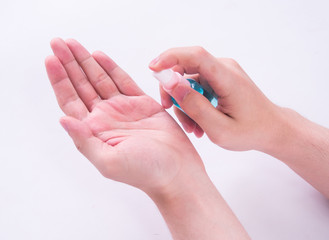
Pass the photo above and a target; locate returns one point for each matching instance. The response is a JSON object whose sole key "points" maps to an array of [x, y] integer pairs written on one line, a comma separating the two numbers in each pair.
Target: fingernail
{"points": [[64, 125], [154, 61], [168, 78], [180, 92]]}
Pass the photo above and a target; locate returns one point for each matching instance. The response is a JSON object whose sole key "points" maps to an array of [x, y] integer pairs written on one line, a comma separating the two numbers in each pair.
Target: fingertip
{"points": [[155, 68], [54, 68], [72, 43], [49, 59], [70, 40], [64, 122], [153, 64], [58, 45], [189, 126], [101, 56], [166, 103], [160, 63], [187, 123], [98, 53], [198, 132], [55, 40], [186, 127]]}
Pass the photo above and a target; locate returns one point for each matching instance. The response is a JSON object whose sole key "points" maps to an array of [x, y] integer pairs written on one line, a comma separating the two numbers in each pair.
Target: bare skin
{"points": [[130, 138], [244, 119]]}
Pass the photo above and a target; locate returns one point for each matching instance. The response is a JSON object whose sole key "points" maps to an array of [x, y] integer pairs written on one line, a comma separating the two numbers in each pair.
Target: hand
{"points": [[130, 138], [127, 135], [244, 118]]}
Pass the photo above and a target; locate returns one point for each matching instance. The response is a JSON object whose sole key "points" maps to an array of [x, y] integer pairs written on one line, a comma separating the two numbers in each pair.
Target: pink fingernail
{"points": [[154, 61], [169, 79]]}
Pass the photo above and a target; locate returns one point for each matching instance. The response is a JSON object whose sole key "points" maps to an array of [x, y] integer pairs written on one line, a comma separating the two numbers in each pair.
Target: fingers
{"points": [[67, 97], [98, 78], [79, 80], [198, 132], [190, 59], [195, 60], [103, 156], [200, 110], [165, 98], [121, 79], [188, 124]]}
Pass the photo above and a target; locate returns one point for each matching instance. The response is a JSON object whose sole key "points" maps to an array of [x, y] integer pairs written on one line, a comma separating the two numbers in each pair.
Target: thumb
{"points": [[84, 140], [194, 104], [199, 109]]}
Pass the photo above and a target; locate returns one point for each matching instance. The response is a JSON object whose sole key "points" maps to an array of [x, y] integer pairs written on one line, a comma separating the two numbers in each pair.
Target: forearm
{"points": [[197, 211], [304, 147]]}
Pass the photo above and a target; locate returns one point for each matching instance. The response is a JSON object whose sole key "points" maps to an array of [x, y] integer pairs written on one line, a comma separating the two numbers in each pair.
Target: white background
{"points": [[50, 191]]}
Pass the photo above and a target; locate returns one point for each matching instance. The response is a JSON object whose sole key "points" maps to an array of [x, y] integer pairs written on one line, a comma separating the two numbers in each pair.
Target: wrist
{"points": [[180, 187], [291, 135], [280, 127], [303, 146], [193, 209]]}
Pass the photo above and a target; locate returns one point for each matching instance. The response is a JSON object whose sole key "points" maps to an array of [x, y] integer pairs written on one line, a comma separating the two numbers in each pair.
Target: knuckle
{"points": [[232, 62], [199, 51], [218, 138], [213, 137], [126, 83], [101, 78], [164, 56], [85, 61], [78, 146], [105, 173], [66, 101], [222, 133]]}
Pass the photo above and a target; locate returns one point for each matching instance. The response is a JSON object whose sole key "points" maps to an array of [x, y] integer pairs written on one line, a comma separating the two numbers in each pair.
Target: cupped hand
{"points": [[244, 118], [126, 134]]}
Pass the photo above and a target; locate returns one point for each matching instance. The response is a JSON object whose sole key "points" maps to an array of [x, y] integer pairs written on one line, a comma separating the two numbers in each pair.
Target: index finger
{"points": [[195, 60]]}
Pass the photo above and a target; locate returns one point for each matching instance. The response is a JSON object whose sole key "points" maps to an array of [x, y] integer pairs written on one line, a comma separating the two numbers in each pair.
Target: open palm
{"points": [[126, 134]]}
